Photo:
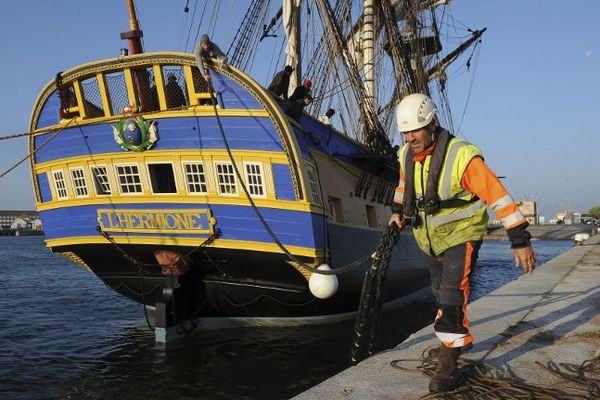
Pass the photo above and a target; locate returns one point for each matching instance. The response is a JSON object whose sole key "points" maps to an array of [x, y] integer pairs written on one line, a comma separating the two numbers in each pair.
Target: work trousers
{"points": [[450, 280]]}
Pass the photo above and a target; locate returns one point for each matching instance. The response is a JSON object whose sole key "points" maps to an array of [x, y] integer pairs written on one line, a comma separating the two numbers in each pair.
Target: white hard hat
{"points": [[414, 111]]}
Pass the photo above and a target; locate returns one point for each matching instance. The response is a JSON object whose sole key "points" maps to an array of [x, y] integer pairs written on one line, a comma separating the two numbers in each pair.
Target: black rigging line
{"points": [[470, 85], [243, 39], [186, 10], [187, 40], [199, 25]]}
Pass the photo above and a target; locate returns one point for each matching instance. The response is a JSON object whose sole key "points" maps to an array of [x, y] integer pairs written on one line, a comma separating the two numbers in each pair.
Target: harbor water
{"points": [[64, 335]]}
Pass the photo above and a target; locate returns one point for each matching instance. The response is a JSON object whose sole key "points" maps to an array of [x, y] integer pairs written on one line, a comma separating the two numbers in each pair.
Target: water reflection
{"points": [[66, 336]]}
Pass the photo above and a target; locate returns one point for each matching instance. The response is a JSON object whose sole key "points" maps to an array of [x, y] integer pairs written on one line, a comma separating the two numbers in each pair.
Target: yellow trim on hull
{"points": [[166, 156], [182, 199], [196, 111], [184, 241]]}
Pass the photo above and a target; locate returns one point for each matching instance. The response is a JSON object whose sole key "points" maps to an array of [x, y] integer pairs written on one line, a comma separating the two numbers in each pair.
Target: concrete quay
{"points": [[552, 315]]}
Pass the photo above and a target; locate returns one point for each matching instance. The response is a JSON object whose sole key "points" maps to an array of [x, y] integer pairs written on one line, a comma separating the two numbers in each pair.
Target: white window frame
{"points": [[205, 174], [74, 181], [56, 188], [313, 185], [174, 168], [261, 176], [108, 180], [233, 174], [118, 180]]}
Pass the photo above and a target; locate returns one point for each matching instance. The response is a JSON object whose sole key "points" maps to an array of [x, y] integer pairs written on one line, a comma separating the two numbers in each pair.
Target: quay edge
{"points": [[551, 315]]}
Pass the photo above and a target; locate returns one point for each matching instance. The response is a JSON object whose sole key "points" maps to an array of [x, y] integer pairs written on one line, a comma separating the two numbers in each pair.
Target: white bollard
{"points": [[580, 238]]}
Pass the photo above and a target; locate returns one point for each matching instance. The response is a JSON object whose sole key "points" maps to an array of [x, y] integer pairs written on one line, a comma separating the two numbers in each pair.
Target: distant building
{"points": [[529, 211], [568, 217], [20, 220]]}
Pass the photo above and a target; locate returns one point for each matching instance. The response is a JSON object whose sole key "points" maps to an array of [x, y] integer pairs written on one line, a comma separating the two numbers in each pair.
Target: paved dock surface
{"points": [[552, 315]]}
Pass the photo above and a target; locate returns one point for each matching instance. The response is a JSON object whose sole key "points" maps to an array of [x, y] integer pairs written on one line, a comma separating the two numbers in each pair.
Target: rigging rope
{"points": [[184, 18], [16, 135], [385, 242], [214, 17], [28, 156], [471, 84], [199, 25]]}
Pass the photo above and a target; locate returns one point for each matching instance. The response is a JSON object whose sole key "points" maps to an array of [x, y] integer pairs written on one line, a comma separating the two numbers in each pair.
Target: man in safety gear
{"points": [[444, 190]]}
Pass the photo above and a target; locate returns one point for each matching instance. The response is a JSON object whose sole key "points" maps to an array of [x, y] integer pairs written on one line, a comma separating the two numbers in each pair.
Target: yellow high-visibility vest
{"points": [[448, 226]]}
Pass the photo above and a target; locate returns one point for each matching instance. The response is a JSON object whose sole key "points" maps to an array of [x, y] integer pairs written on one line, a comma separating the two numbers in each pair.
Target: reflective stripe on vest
{"points": [[446, 181], [457, 215]]}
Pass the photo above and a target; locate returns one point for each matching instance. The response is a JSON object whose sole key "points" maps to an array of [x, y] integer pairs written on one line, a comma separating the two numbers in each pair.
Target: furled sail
{"points": [[291, 24]]}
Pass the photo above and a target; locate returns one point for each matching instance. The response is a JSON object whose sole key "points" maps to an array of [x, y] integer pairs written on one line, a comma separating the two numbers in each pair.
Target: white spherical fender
{"points": [[323, 286]]}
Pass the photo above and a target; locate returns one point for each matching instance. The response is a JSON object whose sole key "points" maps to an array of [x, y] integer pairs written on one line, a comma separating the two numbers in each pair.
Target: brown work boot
{"points": [[435, 352], [446, 377]]}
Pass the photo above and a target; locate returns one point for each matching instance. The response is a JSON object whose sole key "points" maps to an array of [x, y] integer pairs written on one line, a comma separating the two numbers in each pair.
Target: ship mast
{"points": [[134, 34], [368, 53]]}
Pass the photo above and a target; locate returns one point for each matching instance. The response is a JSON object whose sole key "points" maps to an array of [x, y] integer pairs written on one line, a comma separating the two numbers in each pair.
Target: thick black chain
{"points": [[140, 264]]}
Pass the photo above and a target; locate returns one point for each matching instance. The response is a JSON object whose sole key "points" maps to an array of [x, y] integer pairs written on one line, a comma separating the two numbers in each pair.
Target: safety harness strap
{"points": [[431, 201]]}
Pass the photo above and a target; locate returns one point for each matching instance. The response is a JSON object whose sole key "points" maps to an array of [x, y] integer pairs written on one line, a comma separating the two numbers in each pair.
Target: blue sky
{"points": [[532, 107]]}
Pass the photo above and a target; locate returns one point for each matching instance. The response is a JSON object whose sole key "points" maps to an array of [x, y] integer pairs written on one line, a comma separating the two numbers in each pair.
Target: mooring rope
{"points": [[487, 382], [366, 327]]}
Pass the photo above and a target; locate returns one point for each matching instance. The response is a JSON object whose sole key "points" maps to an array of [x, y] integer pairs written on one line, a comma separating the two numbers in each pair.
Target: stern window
{"points": [[312, 183], [145, 89], [129, 179], [226, 179], [162, 179], [117, 92], [68, 102], [92, 101], [195, 178], [175, 89], [101, 183], [79, 183], [60, 185], [201, 88], [254, 179]]}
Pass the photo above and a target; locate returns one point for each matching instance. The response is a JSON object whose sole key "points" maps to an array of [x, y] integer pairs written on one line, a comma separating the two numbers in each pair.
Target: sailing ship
{"points": [[204, 199]]}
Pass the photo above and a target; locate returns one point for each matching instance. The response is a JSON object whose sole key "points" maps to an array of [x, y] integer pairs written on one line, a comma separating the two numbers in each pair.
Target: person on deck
{"points": [[207, 49], [281, 82], [294, 111], [174, 93], [326, 118], [301, 91], [444, 189]]}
